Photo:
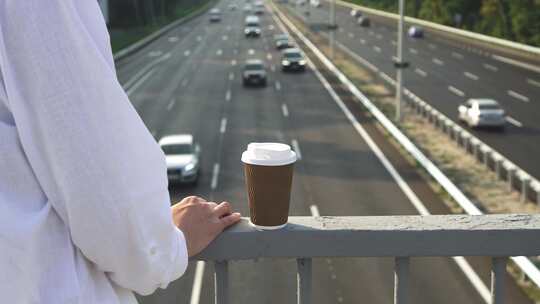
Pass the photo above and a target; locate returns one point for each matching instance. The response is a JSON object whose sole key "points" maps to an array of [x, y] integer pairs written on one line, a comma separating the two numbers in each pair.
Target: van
{"points": [[252, 21]]}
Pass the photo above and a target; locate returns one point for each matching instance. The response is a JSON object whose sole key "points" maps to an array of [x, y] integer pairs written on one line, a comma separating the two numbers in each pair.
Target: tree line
{"points": [[516, 20]]}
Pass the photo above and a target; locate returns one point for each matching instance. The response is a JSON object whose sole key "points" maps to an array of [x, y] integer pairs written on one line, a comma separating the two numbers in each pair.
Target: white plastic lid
{"points": [[268, 154]]}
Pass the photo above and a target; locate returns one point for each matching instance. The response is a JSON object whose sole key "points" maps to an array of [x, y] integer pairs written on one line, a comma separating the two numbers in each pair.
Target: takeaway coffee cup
{"points": [[268, 168]]}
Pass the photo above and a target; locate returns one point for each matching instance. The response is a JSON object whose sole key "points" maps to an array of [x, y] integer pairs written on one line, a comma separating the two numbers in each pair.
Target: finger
{"points": [[222, 209], [230, 219], [211, 205], [195, 199]]}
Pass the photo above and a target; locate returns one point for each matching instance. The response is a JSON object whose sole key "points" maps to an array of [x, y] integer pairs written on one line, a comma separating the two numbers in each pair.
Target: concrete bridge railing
{"points": [[402, 237]]}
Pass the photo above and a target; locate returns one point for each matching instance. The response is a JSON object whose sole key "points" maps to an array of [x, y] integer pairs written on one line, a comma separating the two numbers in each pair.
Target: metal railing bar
{"points": [[498, 278], [401, 280], [304, 280], [221, 282]]}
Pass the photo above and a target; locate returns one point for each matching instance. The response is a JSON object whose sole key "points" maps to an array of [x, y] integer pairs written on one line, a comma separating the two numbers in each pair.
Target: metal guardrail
{"points": [[531, 51], [470, 208], [304, 238]]}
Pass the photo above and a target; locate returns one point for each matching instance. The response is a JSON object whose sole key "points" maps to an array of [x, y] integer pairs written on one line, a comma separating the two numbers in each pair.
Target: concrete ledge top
{"points": [[436, 235]]}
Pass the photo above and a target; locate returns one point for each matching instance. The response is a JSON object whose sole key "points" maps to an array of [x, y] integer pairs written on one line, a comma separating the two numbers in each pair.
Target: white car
{"points": [[315, 3], [482, 113], [182, 158]]}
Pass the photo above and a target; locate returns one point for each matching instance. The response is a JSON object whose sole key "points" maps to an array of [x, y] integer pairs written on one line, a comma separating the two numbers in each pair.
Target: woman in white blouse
{"points": [[82, 220]]}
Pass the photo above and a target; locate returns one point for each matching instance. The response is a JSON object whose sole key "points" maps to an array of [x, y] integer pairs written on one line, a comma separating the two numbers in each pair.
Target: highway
{"points": [[189, 81], [446, 72]]}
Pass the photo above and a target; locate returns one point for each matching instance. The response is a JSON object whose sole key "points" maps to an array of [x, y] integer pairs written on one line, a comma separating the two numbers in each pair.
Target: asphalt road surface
{"points": [[446, 72], [189, 81]]}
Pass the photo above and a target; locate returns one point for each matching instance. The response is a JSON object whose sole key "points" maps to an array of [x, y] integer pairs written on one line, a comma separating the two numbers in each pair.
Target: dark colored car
{"points": [[254, 73], [293, 60], [364, 21]]}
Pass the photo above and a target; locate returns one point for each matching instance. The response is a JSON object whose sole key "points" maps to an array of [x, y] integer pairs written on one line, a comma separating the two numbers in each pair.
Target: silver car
{"points": [[482, 113], [182, 158]]}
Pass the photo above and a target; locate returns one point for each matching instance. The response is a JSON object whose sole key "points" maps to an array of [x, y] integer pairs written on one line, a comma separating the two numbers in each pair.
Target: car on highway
{"points": [[355, 13], [478, 112], [293, 60], [252, 20], [247, 8], [282, 44], [416, 32], [315, 3], [215, 15], [363, 21], [252, 31], [254, 73], [182, 158], [258, 10]]}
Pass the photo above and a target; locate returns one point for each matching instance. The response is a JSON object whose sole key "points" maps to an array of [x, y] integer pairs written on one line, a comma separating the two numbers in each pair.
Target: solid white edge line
{"points": [[533, 82], [223, 125], [215, 174], [478, 284], [139, 82], [144, 70], [513, 121], [197, 283], [285, 110], [527, 66], [296, 148]]}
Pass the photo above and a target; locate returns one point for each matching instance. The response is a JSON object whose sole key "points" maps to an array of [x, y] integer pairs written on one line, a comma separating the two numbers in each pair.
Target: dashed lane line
{"points": [[223, 125], [518, 96], [514, 121], [377, 49], [456, 91], [215, 174], [413, 51], [471, 76], [533, 82], [219, 52], [231, 76], [285, 110], [187, 53], [296, 148], [420, 72], [228, 95], [437, 61], [278, 86], [490, 67], [171, 104], [457, 55]]}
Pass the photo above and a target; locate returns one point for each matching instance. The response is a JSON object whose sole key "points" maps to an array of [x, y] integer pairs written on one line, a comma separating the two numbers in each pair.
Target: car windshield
{"points": [[253, 67], [175, 149], [489, 107], [292, 55]]}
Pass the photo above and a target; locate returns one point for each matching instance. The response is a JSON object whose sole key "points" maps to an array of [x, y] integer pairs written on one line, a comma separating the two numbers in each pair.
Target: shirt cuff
{"points": [[180, 258]]}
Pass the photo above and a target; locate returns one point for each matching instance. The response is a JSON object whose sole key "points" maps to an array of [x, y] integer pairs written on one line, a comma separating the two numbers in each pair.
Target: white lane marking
{"points": [[199, 38], [351, 35], [371, 33], [420, 72], [215, 174], [155, 53], [173, 39], [197, 283], [514, 121], [465, 267], [278, 86], [228, 27], [171, 104], [394, 42], [225, 37], [285, 110], [517, 63], [377, 49], [273, 68], [432, 46], [223, 126], [187, 52], [518, 96], [414, 51], [456, 91], [271, 27], [387, 78], [533, 82], [231, 76], [457, 55], [219, 52], [235, 51], [233, 62], [269, 56], [228, 95], [341, 30], [471, 76], [139, 82], [184, 82], [314, 210], [379, 36], [490, 67], [145, 70], [296, 148], [438, 61], [362, 41], [251, 51]]}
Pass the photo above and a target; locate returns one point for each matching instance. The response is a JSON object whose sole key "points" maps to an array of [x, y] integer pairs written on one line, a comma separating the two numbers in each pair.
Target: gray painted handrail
{"points": [[382, 236]]}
